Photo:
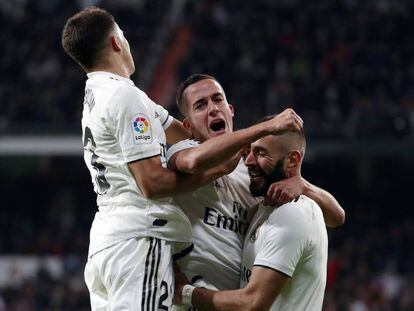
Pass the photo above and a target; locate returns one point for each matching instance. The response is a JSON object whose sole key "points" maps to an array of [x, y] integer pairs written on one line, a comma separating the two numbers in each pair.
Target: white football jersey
{"points": [[220, 213], [120, 124], [291, 239]]}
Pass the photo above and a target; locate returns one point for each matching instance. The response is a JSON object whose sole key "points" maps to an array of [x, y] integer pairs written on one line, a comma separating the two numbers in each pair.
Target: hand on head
{"points": [[288, 120]]}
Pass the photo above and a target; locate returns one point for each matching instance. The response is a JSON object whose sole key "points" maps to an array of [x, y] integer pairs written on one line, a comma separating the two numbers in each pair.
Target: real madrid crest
{"points": [[254, 235]]}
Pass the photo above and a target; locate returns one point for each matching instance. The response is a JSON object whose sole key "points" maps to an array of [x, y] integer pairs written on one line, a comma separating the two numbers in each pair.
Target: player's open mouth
{"points": [[255, 175], [218, 125]]}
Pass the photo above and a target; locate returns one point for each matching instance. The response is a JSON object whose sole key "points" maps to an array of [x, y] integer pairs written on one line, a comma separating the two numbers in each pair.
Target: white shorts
{"points": [[135, 274]]}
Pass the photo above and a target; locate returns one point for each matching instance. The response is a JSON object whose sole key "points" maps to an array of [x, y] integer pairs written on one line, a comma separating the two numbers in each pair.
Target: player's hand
{"points": [[179, 281], [284, 191], [285, 121]]}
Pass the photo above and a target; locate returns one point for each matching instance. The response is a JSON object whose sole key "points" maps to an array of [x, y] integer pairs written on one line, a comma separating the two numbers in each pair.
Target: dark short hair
{"points": [[184, 85], [85, 33]]}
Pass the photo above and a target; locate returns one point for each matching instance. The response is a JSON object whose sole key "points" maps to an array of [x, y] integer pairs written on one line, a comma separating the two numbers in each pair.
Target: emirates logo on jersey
{"points": [[141, 129]]}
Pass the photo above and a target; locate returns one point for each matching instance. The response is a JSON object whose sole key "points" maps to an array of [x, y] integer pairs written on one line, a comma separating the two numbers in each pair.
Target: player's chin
{"points": [[257, 186]]}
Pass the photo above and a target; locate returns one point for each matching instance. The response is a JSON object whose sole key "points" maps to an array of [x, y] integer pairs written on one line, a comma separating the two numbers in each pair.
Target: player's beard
{"points": [[259, 189]]}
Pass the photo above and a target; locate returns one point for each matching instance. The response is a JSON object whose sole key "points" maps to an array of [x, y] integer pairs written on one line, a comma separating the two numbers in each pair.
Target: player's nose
{"points": [[212, 108]]}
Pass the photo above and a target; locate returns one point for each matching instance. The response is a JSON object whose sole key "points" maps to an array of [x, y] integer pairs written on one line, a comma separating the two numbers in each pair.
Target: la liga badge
{"points": [[141, 129]]}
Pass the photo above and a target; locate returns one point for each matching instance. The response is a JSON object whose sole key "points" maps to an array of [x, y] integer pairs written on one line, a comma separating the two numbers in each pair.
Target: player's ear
{"points": [[293, 159], [116, 43], [186, 124], [231, 109]]}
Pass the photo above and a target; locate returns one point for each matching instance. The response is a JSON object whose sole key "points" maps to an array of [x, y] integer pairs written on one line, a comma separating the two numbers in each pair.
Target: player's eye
{"points": [[199, 105], [217, 99]]}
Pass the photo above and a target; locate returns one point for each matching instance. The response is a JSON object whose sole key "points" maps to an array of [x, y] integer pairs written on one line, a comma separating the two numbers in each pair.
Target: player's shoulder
{"points": [[300, 212]]}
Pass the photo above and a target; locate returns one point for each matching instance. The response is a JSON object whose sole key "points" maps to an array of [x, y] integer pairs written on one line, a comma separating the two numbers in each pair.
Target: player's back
{"points": [[120, 125]]}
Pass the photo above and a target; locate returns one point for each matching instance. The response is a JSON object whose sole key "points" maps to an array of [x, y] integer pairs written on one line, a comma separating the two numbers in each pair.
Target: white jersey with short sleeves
{"points": [[120, 124], [220, 213], [291, 239]]}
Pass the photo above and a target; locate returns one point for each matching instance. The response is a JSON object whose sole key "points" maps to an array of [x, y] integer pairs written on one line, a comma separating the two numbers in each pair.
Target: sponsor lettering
{"points": [[212, 217]]}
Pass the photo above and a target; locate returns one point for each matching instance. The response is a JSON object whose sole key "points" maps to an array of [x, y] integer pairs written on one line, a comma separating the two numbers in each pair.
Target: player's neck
{"points": [[112, 67]]}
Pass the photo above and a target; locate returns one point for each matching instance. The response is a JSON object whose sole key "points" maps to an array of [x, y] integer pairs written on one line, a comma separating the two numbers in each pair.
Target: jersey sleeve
{"points": [[181, 145], [133, 120], [284, 241], [163, 115]]}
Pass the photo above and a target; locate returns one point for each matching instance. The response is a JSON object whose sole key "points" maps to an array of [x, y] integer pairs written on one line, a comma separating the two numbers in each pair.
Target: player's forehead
{"points": [[269, 143], [202, 89]]}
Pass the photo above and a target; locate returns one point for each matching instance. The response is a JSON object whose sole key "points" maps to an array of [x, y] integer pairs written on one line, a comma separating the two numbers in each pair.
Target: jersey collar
{"points": [[109, 75]]}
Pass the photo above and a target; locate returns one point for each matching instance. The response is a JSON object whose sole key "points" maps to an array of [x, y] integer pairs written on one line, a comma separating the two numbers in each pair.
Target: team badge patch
{"points": [[141, 129], [255, 233]]}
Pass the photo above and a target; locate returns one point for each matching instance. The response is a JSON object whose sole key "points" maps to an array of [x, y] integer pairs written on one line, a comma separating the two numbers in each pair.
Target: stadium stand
{"points": [[346, 66]]}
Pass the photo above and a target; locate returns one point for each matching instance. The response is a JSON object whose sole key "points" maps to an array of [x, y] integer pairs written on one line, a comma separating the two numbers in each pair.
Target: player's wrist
{"points": [[187, 294]]}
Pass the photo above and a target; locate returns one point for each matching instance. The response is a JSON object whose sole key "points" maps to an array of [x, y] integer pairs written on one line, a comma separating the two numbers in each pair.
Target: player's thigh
{"points": [[140, 276], [97, 290]]}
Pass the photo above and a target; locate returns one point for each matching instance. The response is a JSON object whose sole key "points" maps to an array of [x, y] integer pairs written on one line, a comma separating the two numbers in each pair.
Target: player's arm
{"points": [[176, 132], [288, 189], [156, 181], [221, 148], [263, 288], [332, 211]]}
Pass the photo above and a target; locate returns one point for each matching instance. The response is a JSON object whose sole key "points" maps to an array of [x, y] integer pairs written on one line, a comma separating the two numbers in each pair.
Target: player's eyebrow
{"points": [[201, 99]]}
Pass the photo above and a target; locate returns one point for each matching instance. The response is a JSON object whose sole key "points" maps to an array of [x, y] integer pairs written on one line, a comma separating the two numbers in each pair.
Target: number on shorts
{"points": [[163, 297], [101, 184]]}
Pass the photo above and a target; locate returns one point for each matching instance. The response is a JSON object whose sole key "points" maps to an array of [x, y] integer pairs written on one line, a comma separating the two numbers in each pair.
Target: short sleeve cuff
{"points": [[275, 266], [166, 124], [182, 145]]}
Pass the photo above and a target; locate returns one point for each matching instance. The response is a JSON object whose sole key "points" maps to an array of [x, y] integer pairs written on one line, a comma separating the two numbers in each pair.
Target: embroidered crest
{"points": [[255, 234]]}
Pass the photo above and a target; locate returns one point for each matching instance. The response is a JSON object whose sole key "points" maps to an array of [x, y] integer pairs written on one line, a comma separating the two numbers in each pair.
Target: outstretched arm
{"points": [[155, 181], [221, 148], [288, 189]]}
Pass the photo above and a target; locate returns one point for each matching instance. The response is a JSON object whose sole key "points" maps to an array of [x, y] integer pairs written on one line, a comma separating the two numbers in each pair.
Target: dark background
{"points": [[345, 66]]}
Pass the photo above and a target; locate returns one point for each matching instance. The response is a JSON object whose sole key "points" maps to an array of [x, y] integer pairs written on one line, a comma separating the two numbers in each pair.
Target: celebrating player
{"points": [[220, 212], [285, 250]]}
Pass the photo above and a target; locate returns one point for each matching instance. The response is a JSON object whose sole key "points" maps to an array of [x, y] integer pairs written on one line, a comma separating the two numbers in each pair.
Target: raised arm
{"points": [[156, 181], [288, 189], [221, 148], [257, 295], [333, 213]]}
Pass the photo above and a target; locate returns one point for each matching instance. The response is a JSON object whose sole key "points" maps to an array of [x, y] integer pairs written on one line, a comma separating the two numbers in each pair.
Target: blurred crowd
{"points": [[42, 88], [345, 65]]}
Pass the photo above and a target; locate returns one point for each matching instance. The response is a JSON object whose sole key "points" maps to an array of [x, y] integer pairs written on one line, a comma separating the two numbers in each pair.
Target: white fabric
{"points": [[291, 239], [220, 213], [121, 124], [135, 274]]}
